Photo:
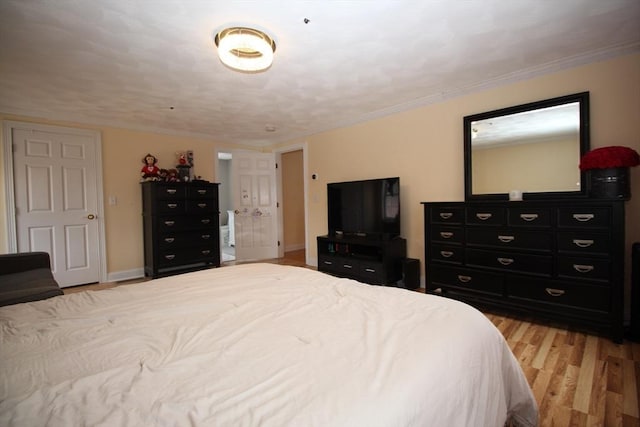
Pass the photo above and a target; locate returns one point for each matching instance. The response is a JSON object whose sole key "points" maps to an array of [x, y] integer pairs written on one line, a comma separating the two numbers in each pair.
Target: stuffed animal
{"points": [[150, 170], [172, 175]]}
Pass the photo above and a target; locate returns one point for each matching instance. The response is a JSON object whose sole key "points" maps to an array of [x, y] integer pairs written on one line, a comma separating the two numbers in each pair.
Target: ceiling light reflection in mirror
{"points": [[510, 151]]}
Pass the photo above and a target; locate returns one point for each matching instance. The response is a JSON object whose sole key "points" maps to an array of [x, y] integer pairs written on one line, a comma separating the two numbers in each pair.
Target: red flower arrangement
{"points": [[610, 157]]}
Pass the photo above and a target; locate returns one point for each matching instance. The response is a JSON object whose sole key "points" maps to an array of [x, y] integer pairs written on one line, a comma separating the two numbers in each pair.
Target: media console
{"points": [[374, 261]]}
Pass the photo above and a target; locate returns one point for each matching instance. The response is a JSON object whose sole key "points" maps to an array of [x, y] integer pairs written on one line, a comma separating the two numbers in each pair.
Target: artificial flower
{"points": [[610, 157]]}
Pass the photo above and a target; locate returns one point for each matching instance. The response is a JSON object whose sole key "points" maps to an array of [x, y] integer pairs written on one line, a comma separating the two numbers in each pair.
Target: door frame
{"points": [[305, 164], [10, 205]]}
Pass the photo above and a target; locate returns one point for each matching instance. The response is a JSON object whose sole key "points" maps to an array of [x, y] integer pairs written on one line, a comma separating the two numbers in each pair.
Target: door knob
{"points": [[91, 216]]}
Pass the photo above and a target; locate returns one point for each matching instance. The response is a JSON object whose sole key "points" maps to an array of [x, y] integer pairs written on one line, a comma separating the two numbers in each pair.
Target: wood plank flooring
{"points": [[577, 379]]}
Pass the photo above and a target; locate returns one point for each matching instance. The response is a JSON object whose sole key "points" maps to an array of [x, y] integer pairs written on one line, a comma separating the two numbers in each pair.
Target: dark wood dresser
{"points": [[181, 227], [555, 260]]}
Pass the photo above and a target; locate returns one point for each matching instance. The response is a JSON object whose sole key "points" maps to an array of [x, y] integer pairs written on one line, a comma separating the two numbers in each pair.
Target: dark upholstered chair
{"points": [[26, 277]]}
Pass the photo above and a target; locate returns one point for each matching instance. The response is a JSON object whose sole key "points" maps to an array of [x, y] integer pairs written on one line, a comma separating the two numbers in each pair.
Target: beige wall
{"points": [[517, 167], [424, 146], [293, 200], [122, 153]]}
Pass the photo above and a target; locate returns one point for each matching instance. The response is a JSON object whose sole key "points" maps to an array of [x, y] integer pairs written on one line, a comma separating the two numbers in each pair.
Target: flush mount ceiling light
{"points": [[245, 49]]}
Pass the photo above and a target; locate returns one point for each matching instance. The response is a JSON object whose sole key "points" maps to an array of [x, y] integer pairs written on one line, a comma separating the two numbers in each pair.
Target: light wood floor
{"points": [[578, 379]]}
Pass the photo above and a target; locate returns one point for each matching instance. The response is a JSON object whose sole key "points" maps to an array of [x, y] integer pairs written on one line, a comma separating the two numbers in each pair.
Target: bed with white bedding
{"points": [[256, 345]]}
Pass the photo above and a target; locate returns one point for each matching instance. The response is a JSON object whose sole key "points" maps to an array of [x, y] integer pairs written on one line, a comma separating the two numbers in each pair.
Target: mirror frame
{"points": [[583, 100]]}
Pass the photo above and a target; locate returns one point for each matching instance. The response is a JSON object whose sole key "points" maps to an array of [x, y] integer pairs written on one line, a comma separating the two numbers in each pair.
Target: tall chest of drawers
{"points": [[181, 227], [561, 260]]}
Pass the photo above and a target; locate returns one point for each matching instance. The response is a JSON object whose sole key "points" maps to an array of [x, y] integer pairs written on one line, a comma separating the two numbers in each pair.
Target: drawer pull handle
{"points": [[169, 223], [446, 234], [554, 292], [205, 236], [171, 190], [464, 279], [172, 205], [202, 205], [583, 217], [505, 261], [483, 216], [169, 239], [446, 215], [582, 243], [202, 191], [369, 270], [205, 252], [583, 268], [529, 217], [506, 239], [169, 257], [446, 254], [205, 221], [347, 266], [327, 262]]}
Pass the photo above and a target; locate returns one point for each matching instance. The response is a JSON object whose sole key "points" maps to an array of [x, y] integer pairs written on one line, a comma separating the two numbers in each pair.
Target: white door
{"points": [[56, 200], [253, 177]]}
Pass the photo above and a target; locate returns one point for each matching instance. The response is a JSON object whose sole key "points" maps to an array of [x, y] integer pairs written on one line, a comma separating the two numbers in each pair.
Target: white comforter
{"points": [[256, 344]]}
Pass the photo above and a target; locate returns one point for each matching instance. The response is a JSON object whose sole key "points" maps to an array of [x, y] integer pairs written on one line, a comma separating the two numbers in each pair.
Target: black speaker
{"points": [[411, 273], [634, 330]]}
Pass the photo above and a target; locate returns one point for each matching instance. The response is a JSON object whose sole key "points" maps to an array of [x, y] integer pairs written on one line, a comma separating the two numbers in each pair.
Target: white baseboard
{"points": [[120, 276], [294, 247]]}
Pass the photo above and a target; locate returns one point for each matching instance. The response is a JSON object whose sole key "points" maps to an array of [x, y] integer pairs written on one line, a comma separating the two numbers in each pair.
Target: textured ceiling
{"points": [[152, 64]]}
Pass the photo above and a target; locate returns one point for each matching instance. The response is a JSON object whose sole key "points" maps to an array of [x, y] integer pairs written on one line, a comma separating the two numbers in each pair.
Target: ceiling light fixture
{"points": [[245, 49]]}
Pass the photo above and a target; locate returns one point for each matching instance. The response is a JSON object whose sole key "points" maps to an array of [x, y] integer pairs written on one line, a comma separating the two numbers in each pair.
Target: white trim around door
{"points": [[8, 128]]}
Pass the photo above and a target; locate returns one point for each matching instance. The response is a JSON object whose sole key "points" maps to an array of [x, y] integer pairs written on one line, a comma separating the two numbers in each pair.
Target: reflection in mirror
{"points": [[534, 149]]}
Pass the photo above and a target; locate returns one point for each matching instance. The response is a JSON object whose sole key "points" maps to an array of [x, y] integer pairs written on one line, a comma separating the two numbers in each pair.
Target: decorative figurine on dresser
{"points": [[181, 226], [554, 251]]}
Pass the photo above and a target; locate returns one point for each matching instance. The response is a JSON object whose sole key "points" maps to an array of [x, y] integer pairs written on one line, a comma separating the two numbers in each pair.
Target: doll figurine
{"points": [[172, 175], [150, 170]]}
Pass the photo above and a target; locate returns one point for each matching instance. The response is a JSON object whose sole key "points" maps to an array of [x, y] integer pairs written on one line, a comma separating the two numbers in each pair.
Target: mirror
{"points": [[533, 149]]}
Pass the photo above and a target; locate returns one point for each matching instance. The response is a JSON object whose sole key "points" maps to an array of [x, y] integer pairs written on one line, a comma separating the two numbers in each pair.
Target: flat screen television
{"points": [[369, 208]]}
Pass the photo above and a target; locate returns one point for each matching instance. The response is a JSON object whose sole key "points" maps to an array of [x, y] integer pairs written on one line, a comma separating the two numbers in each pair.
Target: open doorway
{"points": [[293, 206], [227, 229], [292, 202]]}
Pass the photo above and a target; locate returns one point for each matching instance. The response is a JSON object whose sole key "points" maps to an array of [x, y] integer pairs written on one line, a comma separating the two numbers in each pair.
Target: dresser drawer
{"points": [[447, 215], [588, 217], [170, 207], [185, 256], [201, 192], [584, 242], [183, 222], [584, 268], [185, 239], [200, 206], [342, 265], [372, 272], [467, 279], [590, 297], [485, 215], [175, 240], [446, 253], [169, 192], [540, 265], [529, 217], [172, 223], [509, 238], [446, 234]]}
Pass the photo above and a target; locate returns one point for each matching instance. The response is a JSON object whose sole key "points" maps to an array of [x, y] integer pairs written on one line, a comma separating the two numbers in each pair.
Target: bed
{"points": [[256, 345]]}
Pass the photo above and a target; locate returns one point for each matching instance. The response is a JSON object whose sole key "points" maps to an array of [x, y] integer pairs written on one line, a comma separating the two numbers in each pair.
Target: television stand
{"points": [[374, 261]]}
